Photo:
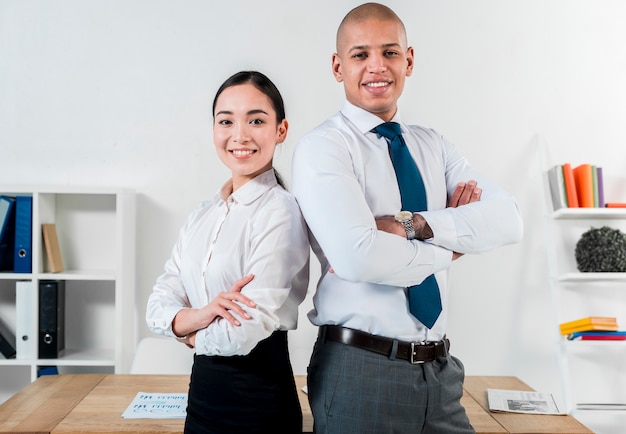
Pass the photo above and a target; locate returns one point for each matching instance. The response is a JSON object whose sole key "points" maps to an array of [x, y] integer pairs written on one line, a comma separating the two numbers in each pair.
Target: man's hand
{"points": [[464, 193], [390, 225], [422, 228]]}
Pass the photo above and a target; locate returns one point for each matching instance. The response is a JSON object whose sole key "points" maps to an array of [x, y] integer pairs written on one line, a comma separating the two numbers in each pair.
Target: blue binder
{"points": [[23, 260], [7, 232]]}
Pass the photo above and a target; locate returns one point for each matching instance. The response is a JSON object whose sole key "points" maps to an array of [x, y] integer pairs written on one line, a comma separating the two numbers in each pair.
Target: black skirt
{"points": [[248, 394]]}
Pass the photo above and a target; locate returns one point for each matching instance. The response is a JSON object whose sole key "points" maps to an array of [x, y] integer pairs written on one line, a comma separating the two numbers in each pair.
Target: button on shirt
{"points": [[258, 229], [343, 178]]}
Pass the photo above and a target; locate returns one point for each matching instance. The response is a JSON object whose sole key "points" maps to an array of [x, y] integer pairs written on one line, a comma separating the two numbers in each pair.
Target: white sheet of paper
{"points": [[522, 401], [148, 405]]}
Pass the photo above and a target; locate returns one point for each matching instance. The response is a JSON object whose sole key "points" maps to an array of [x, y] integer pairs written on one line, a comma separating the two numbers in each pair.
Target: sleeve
{"points": [[334, 205], [478, 227], [279, 259], [168, 294]]}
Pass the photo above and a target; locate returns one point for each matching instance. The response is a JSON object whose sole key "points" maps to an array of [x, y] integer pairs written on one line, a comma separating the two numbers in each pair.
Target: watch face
{"points": [[404, 216]]}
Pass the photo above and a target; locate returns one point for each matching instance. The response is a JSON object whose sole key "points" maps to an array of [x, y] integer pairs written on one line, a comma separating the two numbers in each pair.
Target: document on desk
{"points": [[522, 401], [148, 405]]}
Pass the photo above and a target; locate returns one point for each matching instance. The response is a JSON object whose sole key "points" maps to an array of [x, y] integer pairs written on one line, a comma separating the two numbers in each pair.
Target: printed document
{"points": [[522, 401], [148, 405]]}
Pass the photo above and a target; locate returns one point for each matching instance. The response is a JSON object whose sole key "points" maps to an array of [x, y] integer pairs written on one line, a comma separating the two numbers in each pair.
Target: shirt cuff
{"points": [[164, 323], [443, 227]]}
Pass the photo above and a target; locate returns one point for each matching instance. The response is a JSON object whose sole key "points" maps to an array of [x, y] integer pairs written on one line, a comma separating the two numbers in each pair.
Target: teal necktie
{"points": [[424, 299]]}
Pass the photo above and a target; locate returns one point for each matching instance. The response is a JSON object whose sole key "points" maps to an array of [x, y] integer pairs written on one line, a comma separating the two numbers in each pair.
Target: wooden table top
{"points": [[43, 404], [101, 410], [94, 403], [519, 423]]}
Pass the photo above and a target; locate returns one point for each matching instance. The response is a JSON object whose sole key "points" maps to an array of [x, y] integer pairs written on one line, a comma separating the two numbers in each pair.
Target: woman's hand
{"points": [[188, 321], [227, 302]]}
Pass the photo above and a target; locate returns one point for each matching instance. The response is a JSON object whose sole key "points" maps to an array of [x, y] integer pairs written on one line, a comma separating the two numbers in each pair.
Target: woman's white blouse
{"points": [[256, 230]]}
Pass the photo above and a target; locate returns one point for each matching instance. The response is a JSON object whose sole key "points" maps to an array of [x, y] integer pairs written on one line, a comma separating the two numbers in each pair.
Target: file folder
{"points": [[7, 232], [26, 320], [23, 261], [51, 318]]}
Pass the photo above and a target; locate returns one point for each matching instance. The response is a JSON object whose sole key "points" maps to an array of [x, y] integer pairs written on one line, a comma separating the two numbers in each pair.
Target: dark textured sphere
{"points": [[601, 250]]}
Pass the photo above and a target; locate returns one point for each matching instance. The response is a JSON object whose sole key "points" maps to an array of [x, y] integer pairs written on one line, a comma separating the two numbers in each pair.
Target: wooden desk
{"points": [[93, 403], [40, 406], [100, 410], [476, 387]]}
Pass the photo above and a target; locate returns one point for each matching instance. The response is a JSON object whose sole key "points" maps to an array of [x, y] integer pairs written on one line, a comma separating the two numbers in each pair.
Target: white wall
{"points": [[118, 93]]}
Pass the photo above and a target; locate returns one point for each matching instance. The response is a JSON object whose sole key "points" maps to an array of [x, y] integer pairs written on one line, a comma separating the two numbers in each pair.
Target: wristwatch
{"points": [[406, 218]]}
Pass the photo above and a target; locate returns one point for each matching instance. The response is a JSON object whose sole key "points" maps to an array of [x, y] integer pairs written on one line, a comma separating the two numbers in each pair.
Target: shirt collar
{"points": [[362, 119], [251, 190]]}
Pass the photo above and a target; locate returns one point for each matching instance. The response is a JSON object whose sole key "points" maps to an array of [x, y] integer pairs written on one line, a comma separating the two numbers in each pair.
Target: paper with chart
{"points": [[149, 405]]}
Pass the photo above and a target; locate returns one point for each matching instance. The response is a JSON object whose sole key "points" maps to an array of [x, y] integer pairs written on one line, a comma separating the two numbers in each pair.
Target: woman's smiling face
{"points": [[246, 131]]}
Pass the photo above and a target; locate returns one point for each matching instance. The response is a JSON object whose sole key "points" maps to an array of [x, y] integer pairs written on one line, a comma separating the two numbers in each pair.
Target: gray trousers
{"points": [[356, 391]]}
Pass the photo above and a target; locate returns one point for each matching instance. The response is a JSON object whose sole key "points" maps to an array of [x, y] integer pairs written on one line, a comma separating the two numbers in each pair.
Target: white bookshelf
{"points": [[592, 377], [96, 231]]}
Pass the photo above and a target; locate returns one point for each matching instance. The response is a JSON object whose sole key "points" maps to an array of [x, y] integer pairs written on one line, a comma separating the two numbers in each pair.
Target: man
{"points": [[376, 367]]}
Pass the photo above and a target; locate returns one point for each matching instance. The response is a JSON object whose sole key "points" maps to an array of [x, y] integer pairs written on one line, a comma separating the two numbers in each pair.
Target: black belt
{"points": [[413, 352]]}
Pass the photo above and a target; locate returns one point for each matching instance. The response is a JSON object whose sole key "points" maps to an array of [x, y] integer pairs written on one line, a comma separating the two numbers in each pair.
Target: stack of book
{"points": [[578, 187], [593, 328]]}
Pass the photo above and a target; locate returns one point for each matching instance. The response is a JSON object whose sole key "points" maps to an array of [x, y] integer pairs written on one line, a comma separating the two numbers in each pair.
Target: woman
{"points": [[242, 379]]}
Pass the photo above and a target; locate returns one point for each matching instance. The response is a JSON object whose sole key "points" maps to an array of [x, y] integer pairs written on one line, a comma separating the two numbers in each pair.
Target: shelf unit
{"points": [[592, 376], [96, 231]]}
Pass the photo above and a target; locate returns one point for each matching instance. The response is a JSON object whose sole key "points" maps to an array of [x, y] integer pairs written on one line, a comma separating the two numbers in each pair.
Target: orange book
{"points": [[615, 205], [606, 323], [583, 177], [570, 186]]}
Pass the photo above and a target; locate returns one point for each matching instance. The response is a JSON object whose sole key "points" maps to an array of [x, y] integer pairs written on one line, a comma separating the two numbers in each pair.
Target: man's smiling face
{"points": [[373, 61]]}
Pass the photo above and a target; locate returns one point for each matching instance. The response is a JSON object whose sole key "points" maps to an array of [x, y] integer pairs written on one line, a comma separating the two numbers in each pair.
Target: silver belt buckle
{"points": [[413, 345]]}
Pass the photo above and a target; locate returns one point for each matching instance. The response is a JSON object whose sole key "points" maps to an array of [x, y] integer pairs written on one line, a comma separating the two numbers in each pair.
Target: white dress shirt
{"points": [[343, 178], [257, 229]]}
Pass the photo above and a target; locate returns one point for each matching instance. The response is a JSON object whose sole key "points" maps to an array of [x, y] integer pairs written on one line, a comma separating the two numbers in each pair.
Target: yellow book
{"points": [[606, 323], [590, 327]]}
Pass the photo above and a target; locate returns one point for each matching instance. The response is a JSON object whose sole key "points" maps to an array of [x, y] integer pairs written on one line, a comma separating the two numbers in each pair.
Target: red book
{"points": [[603, 338], [570, 186], [583, 177]]}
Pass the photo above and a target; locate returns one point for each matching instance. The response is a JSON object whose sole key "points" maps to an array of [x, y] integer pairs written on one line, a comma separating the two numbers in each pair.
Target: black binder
{"points": [[51, 318], [7, 232]]}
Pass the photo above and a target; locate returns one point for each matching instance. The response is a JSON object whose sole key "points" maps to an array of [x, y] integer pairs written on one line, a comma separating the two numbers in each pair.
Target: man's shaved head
{"points": [[364, 12]]}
